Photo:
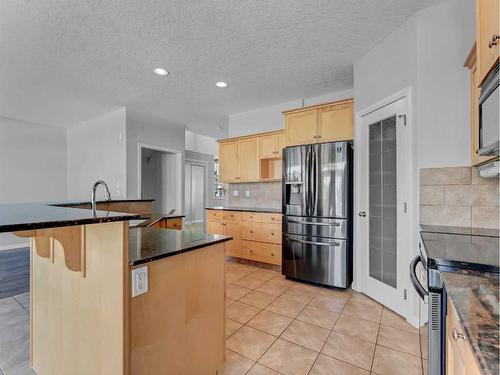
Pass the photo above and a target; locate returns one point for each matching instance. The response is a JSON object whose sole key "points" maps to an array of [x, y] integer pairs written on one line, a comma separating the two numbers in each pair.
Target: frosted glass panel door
{"points": [[382, 201], [195, 193]]}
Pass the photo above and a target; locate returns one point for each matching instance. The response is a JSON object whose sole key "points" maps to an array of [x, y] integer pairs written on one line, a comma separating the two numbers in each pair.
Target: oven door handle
{"points": [[413, 277]]}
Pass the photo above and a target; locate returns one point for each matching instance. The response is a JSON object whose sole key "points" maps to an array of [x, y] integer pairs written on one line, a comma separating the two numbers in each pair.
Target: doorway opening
{"points": [[160, 177], [195, 195]]}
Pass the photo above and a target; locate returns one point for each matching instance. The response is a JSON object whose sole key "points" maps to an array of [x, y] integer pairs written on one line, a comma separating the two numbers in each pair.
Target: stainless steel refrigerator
{"points": [[317, 209]]}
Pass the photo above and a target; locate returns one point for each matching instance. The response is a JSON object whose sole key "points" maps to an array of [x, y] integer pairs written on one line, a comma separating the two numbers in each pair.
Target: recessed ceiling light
{"points": [[221, 84], [161, 72]]}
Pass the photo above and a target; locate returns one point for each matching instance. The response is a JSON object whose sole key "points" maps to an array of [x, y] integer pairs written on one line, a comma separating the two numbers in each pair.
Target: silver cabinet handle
{"points": [[457, 335], [362, 214], [311, 223], [493, 41], [317, 243]]}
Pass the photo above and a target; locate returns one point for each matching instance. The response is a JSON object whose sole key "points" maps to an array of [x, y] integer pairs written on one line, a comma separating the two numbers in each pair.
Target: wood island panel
{"points": [[177, 327]]}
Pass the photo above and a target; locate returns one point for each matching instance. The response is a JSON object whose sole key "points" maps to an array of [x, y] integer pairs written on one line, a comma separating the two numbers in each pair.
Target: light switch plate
{"points": [[139, 281]]}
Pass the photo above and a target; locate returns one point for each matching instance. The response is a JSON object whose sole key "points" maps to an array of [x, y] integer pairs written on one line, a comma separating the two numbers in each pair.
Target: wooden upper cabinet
{"points": [[228, 161], [271, 145], [301, 127], [248, 158], [487, 36], [321, 123], [335, 123]]}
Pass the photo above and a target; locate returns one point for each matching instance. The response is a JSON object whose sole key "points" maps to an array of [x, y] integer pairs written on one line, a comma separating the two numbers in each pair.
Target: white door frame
{"points": [[201, 163], [180, 171], [406, 249]]}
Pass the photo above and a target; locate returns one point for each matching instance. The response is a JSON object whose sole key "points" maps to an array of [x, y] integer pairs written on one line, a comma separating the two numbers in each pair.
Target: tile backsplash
{"points": [[458, 196], [255, 194]]}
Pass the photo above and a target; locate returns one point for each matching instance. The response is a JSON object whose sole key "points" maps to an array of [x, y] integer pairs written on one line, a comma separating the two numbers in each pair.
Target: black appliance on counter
{"points": [[448, 249], [317, 210]]}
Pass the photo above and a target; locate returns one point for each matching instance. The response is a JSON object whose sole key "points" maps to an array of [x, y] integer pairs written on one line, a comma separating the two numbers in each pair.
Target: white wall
{"points": [[96, 150], [201, 143], [271, 118], [32, 166], [446, 33], [152, 131]]}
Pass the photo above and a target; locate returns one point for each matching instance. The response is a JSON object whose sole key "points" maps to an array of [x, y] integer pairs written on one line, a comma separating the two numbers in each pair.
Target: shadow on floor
{"points": [[14, 272]]}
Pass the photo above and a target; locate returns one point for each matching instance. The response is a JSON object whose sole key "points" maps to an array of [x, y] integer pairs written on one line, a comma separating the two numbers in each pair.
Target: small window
{"points": [[218, 189]]}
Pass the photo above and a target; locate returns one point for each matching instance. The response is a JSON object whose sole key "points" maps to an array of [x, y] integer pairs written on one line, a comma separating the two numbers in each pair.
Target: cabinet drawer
{"points": [[271, 218], [174, 223], [251, 216], [261, 252], [261, 232], [215, 214], [232, 215]]}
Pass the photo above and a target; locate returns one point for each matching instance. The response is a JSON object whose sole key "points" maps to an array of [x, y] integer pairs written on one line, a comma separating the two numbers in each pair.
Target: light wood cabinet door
{"points": [[233, 229], [281, 143], [215, 227], [487, 34], [301, 128], [248, 157], [268, 146], [336, 123], [228, 161]]}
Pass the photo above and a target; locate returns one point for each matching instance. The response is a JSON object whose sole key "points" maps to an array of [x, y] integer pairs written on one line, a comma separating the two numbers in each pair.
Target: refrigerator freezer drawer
{"points": [[316, 227], [317, 260]]}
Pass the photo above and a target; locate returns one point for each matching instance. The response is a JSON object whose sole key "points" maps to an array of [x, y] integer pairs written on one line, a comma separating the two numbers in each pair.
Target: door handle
{"points": [[316, 243], [413, 277], [493, 41], [362, 214], [457, 335]]}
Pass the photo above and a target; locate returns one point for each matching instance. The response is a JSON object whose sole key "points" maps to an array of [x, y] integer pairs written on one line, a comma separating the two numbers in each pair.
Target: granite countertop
{"points": [[475, 295], [248, 209], [30, 216], [148, 244], [80, 203], [155, 217]]}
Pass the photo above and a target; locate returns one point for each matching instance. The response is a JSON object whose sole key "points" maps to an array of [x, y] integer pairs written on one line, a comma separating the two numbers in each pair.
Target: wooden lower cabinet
{"points": [[256, 236], [460, 359], [173, 223]]}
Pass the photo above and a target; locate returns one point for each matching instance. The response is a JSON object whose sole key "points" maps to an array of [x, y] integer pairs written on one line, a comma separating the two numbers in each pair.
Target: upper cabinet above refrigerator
{"points": [[321, 123]]}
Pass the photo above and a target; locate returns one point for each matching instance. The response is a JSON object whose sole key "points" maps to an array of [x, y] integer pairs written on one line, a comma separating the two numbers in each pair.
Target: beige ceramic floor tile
{"points": [[229, 301], [231, 327], [355, 327], [339, 293], [424, 346], [362, 298], [319, 317], [266, 274], [360, 310], [400, 340], [288, 358], [250, 342], [330, 366], [236, 292], [307, 335], [425, 365], [232, 277], [299, 295], [391, 319], [259, 369], [327, 302], [258, 299], [236, 364], [273, 287], [251, 281], [392, 362], [241, 312], [270, 322], [350, 349], [286, 307]]}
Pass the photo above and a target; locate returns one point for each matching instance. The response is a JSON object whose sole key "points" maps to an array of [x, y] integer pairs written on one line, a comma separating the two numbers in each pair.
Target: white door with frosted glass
{"points": [[383, 220], [195, 194]]}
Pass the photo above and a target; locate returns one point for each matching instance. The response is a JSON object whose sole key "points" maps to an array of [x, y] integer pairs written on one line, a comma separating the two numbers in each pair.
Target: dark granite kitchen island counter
{"points": [[269, 210], [149, 244], [475, 296]]}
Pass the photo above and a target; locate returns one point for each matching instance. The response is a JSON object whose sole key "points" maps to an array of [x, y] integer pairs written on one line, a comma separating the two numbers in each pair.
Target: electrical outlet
{"points": [[235, 193], [139, 281], [247, 193]]}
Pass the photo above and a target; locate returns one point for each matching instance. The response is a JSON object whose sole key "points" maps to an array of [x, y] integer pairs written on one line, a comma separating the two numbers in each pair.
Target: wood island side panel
{"points": [[78, 322], [177, 327]]}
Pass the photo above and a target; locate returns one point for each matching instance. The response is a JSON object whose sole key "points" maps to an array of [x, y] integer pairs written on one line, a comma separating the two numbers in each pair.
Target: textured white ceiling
{"points": [[64, 61]]}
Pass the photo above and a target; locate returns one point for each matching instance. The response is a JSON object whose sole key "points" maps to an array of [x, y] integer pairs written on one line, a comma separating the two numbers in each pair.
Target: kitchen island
{"points": [[83, 318]]}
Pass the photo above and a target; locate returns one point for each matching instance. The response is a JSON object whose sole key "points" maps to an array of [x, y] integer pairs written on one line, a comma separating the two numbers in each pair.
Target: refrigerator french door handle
{"points": [[314, 193], [307, 176], [314, 223]]}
